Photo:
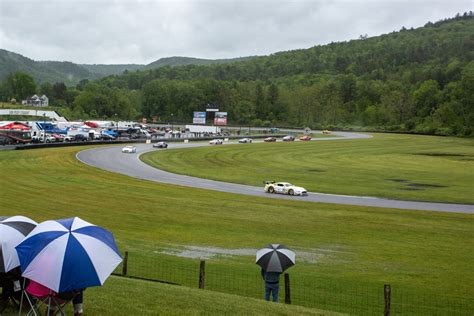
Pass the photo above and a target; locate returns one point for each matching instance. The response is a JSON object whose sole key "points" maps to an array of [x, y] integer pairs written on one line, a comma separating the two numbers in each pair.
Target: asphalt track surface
{"points": [[112, 159]]}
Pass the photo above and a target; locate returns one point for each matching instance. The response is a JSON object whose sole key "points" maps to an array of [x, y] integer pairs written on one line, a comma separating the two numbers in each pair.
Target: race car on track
{"points": [[284, 188], [288, 138], [245, 140], [160, 145], [129, 149], [216, 142], [305, 138], [270, 139]]}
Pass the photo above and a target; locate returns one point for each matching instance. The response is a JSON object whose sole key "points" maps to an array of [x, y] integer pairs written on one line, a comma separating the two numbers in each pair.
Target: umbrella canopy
{"points": [[13, 230], [275, 258], [68, 254]]}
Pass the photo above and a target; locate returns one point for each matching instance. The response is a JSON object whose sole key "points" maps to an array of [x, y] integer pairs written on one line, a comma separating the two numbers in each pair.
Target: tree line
{"points": [[418, 80]]}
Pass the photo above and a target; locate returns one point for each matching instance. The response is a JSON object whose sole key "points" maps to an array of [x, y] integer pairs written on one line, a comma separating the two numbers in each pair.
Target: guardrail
{"points": [[137, 141]]}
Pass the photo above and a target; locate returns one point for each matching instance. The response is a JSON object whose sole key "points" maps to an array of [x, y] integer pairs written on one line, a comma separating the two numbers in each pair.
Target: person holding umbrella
{"points": [[13, 230], [68, 255], [274, 259]]}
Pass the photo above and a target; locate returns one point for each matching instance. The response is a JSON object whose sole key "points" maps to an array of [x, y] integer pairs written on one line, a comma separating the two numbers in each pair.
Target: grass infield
{"points": [[427, 252], [410, 167]]}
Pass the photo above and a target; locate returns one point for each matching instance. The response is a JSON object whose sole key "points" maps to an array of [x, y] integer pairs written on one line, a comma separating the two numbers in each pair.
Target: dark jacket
{"points": [[270, 277]]}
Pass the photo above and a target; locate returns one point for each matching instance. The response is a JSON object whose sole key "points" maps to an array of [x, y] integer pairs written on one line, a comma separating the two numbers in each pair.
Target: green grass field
{"points": [[355, 249], [426, 168], [121, 296]]}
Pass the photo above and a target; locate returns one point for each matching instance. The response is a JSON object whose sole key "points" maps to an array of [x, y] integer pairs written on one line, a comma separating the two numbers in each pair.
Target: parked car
{"points": [[245, 140], [288, 138], [129, 149], [270, 139], [284, 188], [216, 142], [160, 145], [106, 137], [49, 138], [68, 138], [58, 137], [305, 138], [80, 138]]}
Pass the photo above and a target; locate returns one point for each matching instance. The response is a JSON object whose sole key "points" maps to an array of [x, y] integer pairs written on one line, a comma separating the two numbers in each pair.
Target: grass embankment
{"points": [[349, 247], [121, 296], [411, 167]]}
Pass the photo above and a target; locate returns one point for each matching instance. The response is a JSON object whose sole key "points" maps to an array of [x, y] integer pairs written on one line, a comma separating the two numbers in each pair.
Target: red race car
{"points": [[305, 138]]}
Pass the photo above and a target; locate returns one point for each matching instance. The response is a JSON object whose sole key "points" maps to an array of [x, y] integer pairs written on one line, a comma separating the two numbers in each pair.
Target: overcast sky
{"points": [[142, 31]]}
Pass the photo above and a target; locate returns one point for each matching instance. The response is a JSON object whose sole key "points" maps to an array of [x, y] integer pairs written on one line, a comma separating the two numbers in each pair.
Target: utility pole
{"points": [[172, 129]]}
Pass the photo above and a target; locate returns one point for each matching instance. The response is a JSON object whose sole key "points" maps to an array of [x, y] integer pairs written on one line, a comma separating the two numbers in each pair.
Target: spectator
{"points": [[77, 302], [272, 284]]}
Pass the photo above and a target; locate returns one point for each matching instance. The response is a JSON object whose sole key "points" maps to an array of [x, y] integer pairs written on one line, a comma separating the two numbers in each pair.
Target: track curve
{"points": [[112, 159]]}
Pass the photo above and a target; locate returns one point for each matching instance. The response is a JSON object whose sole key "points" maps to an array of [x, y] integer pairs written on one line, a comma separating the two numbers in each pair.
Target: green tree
{"points": [[20, 85], [426, 97]]}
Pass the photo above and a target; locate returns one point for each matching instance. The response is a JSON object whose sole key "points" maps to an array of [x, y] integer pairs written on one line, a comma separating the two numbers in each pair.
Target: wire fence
{"points": [[331, 294]]}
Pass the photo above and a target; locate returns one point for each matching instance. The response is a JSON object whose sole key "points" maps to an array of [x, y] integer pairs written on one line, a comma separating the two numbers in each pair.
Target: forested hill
{"points": [[183, 61], [417, 80], [411, 80], [71, 74], [383, 57]]}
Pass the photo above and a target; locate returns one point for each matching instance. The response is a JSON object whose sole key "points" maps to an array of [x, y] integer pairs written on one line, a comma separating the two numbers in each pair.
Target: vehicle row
{"points": [[56, 138], [218, 141], [288, 138]]}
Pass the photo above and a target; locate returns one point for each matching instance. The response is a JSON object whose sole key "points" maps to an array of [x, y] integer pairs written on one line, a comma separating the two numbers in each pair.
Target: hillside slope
{"points": [[71, 73]]}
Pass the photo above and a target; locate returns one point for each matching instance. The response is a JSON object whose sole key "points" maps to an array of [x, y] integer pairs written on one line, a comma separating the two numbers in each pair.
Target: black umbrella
{"points": [[13, 230], [275, 258]]}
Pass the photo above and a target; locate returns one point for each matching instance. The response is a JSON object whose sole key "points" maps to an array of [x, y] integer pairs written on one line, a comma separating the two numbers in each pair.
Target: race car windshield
{"points": [[288, 185]]}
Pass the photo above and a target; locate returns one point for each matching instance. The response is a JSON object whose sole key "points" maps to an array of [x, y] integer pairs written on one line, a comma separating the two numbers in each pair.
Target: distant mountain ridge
{"points": [[71, 73], [183, 61]]}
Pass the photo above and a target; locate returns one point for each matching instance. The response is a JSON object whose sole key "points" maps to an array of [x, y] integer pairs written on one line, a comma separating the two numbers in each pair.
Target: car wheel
{"points": [[271, 190], [291, 192]]}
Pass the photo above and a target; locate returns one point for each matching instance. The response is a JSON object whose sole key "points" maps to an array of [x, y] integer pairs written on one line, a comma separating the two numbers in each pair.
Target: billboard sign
{"points": [[199, 118], [220, 118]]}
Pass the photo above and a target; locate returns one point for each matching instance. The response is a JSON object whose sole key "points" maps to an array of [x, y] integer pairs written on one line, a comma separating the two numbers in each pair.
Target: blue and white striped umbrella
{"points": [[68, 254]]}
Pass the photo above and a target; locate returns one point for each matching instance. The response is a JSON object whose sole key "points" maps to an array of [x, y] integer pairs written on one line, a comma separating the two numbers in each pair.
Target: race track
{"points": [[112, 159]]}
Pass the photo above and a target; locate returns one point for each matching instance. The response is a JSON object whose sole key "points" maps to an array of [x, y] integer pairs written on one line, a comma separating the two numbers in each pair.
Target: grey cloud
{"points": [[141, 31]]}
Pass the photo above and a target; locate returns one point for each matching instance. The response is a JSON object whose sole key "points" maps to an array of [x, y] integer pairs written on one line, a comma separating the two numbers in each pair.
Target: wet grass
{"points": [[429, 252], [408, 167]]}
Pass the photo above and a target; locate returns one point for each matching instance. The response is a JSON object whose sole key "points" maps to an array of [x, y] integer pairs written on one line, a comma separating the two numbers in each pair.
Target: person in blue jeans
{"points": [[272, 284]]}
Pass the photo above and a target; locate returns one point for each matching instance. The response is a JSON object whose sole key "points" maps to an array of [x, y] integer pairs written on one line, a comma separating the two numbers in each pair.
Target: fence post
{"points": [[387, 297], [202, 274], [125, 264], [287, 289]]}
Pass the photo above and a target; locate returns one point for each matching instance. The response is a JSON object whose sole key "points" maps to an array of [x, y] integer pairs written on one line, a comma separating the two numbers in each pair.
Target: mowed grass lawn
{"points": [[411, 167], [121, 296], [430, 253]]}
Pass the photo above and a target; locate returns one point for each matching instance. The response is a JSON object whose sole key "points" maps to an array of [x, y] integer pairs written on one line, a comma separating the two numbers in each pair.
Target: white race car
{"points": [[129, 149], [245, 140], [216, 142], [284, 188]]}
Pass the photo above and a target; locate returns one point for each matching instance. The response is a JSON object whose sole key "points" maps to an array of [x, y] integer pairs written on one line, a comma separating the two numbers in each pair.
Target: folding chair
{"points": [[38, 296]]}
